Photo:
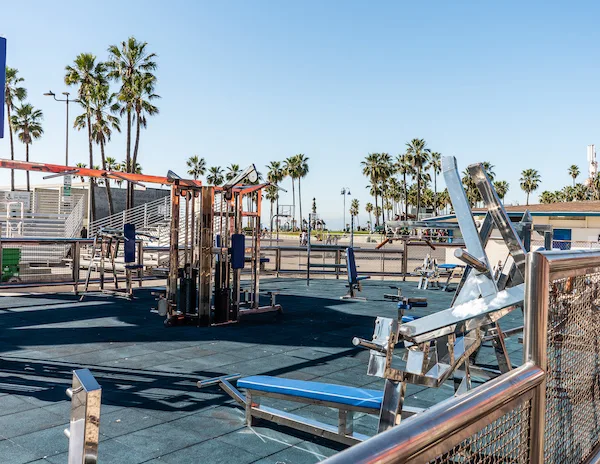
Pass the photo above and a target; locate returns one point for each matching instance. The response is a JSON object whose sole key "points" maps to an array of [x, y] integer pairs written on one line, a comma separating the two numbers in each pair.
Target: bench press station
{"points": [[354, 280], [439, 347]]}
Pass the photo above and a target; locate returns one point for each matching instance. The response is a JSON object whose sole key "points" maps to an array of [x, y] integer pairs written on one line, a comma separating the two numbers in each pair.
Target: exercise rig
{"points": [[214, 237], [439, 347], [106, 247]]}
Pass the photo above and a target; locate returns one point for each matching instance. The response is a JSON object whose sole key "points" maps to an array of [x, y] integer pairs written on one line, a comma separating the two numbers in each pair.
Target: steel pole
{"points": [[67, 137]]}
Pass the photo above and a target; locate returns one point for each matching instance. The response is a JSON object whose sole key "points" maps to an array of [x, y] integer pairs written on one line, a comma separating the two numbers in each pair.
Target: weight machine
{"points": [[221, 232]]}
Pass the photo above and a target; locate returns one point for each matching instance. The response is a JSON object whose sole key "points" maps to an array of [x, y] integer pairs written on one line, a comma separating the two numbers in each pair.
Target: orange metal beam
{"points": [[86, 172]]}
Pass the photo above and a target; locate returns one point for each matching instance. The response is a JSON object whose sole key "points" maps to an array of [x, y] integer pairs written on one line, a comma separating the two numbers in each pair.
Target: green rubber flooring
{"points": [[152, 411]]}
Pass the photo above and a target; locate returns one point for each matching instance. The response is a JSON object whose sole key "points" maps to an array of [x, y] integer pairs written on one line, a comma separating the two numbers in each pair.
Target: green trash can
{"points": [[11, 258]]}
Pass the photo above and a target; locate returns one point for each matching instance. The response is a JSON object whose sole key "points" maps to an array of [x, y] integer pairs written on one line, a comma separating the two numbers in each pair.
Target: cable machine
{"points": [[220, 236]]}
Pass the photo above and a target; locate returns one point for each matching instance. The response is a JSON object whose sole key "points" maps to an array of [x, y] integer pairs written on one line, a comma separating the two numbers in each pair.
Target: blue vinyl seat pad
{"points": [[352, 396], [448, 266]]}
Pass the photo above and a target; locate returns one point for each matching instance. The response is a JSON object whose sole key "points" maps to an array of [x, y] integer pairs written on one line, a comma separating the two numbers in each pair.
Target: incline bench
{"points": [[353, 278], [346, 400]]}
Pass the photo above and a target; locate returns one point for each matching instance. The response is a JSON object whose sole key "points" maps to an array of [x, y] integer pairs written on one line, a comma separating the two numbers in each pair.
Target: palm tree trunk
{"points": [[300, 201], [435, 205], [12, 149], [527, 198], [405, 198], [27, 159], [376, 211], [370, 220], [293, 204], [107, 181], [277, 211], [128, 157], [135, 153], [271, 217], [92, 195], [418, 192]]}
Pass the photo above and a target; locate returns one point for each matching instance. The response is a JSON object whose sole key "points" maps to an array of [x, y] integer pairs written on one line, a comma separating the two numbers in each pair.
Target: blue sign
{"points": [[2, 82]]}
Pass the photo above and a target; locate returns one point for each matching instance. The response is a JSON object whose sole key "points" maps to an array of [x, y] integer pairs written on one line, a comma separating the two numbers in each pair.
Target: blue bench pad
{"points": [[351, 396], [448, 266]]}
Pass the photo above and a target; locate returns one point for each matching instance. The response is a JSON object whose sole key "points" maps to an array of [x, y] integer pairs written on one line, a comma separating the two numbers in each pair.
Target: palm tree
{"points": [[547, 197], [275, 175], [372, 169], [581, 192], [354, 208], [530, 181], [82, 165], [215, 175], [12, 92], [104, 123], [302, 171], [404, 167], [197, 166], [290, 167], [369, 210], [386, 171], [272, 195], [142, 96], [436, 165], [232, 171], [132, 66], [574, 172], [489, 170], [26, 122], [567, 193], [501, 187], [87, 74], [419, 155]]}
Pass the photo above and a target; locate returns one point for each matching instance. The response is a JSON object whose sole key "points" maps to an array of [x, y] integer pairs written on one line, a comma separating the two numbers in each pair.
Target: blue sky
{"points": [[254, 81]]}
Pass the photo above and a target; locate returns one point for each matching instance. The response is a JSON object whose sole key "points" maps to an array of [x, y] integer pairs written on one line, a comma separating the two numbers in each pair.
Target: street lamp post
{"points": [[345, 191], [52, 94]]}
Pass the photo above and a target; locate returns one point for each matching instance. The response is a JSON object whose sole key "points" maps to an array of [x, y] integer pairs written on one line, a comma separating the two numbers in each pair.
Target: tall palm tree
{"points": [[215, 175], [372, 169], [132, 66], [501, 187], [197, 166], [574, 172], [104, 123], [489, 170], [275, 175], [369, 210], [290, 167], [272, 195], [386, 170], [142, 95], [354, 208], [530, 181], [404, 167], [87, 74], [302, 171], [27, 124], [232, 171], [581, 192], [12, 92], [419, 154], [436, 166]]}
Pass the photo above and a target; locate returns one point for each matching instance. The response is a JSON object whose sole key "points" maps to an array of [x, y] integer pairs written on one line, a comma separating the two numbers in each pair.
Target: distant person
{"points": [[84, 232]]}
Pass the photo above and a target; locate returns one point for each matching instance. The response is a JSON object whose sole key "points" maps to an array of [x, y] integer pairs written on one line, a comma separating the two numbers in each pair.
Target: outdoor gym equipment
{"points": [[106, 246], [354, 280], [347, 400], [438, 346], [215, 238]]}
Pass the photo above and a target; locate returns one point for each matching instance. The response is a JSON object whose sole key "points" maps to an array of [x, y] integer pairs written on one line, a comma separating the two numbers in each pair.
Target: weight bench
{"points": [[347, 400], [353, 278], [447, 270]]}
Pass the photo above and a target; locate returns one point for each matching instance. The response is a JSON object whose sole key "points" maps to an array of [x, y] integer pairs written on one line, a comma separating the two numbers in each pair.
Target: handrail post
{"points": [[84, 430], [338, 262], [277, 261], [140, 270], [535, 338]]}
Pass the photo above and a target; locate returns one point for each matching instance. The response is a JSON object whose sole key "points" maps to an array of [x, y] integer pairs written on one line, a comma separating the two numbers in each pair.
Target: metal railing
{"points": [[33, 262], [547, 410], [142, 216], [330, 259]]}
